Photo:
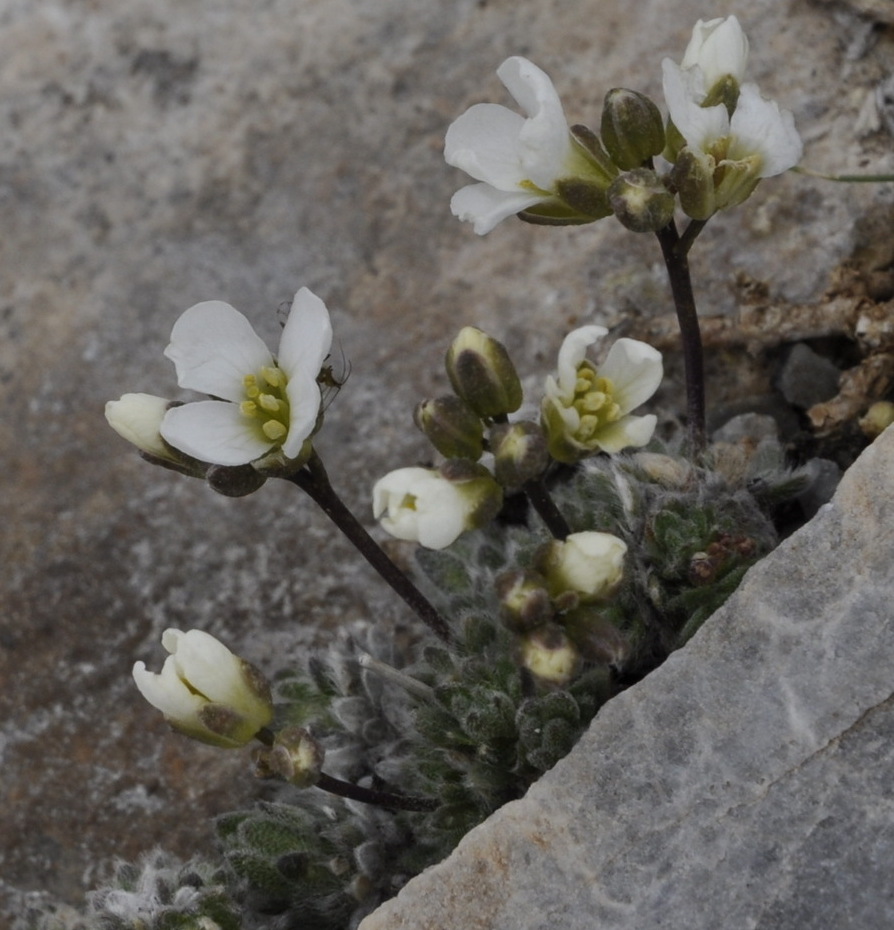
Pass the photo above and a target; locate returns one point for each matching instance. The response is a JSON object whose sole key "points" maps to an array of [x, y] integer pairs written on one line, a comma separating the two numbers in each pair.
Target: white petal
{"points": [[438, 512], [442, 512], [683, 92], [485, 206], [136, 418], [166, 691], [635, 370], [484, 142], [206, 664], [544, 138], [719, 47], [307, 335], [213, 347], [571, 354], [627, 432], [759, 127], [214, 431], [304, 408]]}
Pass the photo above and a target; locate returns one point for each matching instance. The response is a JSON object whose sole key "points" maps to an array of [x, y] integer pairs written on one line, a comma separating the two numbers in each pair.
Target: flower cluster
{"points": [[722, 137], [585, 410]]}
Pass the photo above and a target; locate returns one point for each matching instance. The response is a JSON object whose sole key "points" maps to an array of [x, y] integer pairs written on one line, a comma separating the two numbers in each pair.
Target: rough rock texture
{"points": [[745, 783], [156, 153]]}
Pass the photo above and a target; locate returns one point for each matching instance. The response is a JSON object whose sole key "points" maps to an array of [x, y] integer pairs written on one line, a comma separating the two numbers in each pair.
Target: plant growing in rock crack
{"points": [[565, 549]]}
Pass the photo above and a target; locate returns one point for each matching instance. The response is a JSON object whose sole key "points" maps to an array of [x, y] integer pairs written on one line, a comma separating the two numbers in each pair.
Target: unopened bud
{"points": [[632, 128], [640, 201], [693, 177], [877, 418], [589, 565], [137, 418], [549, 654], [520, 452], [295, 757], [524, 600], [451, 426], [234, 480], [598, 639], [482, 373]]}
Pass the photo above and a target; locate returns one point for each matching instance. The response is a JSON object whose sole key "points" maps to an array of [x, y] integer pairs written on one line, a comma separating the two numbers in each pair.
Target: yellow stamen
{"points": [[274, 430], [269, 403]]}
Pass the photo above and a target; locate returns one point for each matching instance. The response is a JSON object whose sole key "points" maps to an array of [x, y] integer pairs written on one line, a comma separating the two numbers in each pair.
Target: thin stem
{"points": [[313, 480], [345, 789], [674, 249], [541, 500]]}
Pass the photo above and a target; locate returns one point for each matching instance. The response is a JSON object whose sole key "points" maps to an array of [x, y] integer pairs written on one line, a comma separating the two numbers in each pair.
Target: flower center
{"points": [[266, 403], [594, 402]]}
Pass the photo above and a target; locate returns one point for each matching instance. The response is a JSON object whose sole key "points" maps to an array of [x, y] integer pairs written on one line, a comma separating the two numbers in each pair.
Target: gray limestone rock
{"points": [[745, 783], [157, 153]]}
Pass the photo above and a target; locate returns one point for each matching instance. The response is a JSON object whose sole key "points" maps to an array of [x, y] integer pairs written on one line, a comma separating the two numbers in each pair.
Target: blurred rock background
{"points": [[155, 154]]}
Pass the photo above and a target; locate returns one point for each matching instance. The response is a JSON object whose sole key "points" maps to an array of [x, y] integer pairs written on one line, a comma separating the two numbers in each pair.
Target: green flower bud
{"points": [[693, 177], [451, 426], [640, 201], [524, 600], [482, 373], [234, 480], [520, 452], [598, 639], [632, 128], [295, 757]]}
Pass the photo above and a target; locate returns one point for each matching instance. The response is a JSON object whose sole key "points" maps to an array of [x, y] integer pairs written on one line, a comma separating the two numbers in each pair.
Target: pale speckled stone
{"points": [[745, 783], [157, 153]]}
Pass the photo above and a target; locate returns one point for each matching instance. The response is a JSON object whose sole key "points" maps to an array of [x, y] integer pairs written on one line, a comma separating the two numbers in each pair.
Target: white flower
{"points": [[518, 160], [421, 505], [267, 404], [590, 564], [205, 691], [758, 141], [719, 48], [137, 418], [585, 410]]}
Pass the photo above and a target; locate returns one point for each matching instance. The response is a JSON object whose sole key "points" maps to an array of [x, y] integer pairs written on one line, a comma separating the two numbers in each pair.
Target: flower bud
{"points": [[632, 128], [877, 418], [693, 178], [451, 426], [598, 639], [434, 507], [137, 418], [520, 452], [640, 201], [524, 600], [588, 564], [295, 757], [234, 480], [207, 692], [549, 654], [482, 373]]}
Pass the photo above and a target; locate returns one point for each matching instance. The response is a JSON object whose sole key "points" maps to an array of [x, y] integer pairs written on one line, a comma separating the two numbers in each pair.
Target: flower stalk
{"points": [[675, 249], [314, 481], [541, 500]]}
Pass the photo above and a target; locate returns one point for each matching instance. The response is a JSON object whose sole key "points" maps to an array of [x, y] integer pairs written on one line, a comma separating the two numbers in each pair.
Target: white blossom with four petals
{"points": [[265, 404], [517, 159], [586, 410]]}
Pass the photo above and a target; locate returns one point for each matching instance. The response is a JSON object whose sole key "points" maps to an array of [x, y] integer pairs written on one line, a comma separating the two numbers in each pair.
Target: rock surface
{"points": [[154, 156], [745, 783]]}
